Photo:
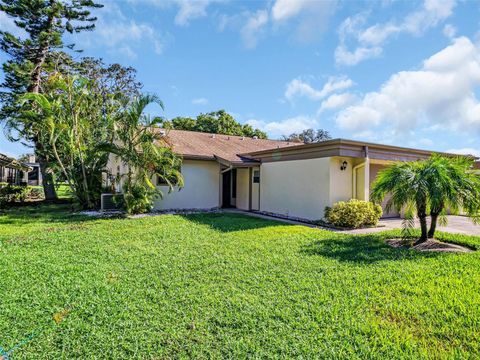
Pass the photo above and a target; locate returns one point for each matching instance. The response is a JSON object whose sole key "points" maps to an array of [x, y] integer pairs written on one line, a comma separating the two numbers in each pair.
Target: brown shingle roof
{"points": [[198, 145]]}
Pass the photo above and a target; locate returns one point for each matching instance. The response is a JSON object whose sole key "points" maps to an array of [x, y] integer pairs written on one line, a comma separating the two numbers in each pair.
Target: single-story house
{"points": [[13, 171], [290, 179]]}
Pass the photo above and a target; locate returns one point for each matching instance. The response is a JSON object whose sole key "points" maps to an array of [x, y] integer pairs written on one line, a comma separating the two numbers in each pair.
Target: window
{"points": [[256, 176]]}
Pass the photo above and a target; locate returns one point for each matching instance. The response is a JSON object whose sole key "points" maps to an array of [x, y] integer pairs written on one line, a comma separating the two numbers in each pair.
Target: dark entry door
{"points": [[226, 189]]}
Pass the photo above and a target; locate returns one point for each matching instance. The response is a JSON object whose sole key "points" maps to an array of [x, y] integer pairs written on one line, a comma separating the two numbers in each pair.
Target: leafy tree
{"points": [[309, 136], [146, 154], [107, 78], [24, 158], [430, 186], [43, 22], [109, 81], [248, 130], [217, 122], [183, 123], [74, 129]]}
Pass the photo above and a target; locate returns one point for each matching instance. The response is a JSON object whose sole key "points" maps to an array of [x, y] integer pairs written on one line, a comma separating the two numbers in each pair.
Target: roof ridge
{"points": [[236, 136]]}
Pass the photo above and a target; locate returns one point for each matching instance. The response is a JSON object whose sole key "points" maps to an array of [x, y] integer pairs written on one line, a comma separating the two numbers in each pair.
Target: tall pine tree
{"points": [[43, 23]]}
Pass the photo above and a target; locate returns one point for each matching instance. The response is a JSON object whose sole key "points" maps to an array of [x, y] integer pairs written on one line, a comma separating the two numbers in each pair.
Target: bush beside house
{"points": [[353, 214], [13, 193]]}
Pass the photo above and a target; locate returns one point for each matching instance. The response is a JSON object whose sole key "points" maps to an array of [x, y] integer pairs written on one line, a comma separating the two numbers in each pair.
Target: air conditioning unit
{"points": [[111, 202]]}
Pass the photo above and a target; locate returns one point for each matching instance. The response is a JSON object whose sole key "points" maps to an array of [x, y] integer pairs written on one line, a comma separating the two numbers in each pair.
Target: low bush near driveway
{"points": [[353, 214]]}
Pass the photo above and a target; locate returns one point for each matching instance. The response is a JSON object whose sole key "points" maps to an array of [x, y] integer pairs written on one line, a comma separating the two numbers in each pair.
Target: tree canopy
{"points": [[308, 136], [43, 23], [218, 122]]}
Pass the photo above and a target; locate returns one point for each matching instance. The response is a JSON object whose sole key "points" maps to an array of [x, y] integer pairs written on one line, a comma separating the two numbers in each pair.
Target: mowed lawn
{"points": [[226, 286]]}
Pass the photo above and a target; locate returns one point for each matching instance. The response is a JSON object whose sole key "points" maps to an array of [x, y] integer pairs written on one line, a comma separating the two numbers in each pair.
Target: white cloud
{"points": [[425, 141], [346, 57], [351, 27], [127, 51], [299, 88], [311, 20], [251, 31], [200, 101], [189, 10], [284, 9], [337, 101], [449, 31], [465, 151], [284, 127], [370, 40], [440, 95], [117, 33], [312, 16]]}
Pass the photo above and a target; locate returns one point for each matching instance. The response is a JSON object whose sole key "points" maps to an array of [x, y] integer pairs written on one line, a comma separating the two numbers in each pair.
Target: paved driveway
{"points": [[456, 224]]}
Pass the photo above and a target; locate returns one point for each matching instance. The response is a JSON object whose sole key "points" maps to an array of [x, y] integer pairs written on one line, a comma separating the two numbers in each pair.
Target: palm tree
{"points": [[433, 186], [451, 186], [146, 153], [408, 190]]}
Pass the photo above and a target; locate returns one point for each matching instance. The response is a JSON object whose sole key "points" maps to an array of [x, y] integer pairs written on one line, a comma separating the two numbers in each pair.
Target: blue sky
{"points": [[395, 72]]}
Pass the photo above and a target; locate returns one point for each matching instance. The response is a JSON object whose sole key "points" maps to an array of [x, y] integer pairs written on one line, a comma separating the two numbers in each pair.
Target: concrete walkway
{"points": [[267, 217], [456, 224]]}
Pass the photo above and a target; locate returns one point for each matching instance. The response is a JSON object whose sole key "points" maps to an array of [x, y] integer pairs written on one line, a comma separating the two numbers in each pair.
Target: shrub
{"points": [[36, 194], [138, 199], [13, 193], [353, 214]]}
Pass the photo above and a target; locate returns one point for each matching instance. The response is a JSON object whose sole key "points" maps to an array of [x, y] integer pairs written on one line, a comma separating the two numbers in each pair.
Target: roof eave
{"points": [[345, 142]]}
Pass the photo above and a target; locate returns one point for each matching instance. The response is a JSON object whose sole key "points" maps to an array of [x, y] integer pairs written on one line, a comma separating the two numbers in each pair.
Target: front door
{"points": [[227, 189]]}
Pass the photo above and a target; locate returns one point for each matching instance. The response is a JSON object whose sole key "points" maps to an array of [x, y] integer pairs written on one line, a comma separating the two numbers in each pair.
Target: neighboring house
{"points": [[34, 175], [13, 171], [285, 178]]}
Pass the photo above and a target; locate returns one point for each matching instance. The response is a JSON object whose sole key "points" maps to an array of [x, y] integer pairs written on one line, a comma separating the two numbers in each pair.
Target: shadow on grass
{"points": [[230, 222], [44, 213], [364, 249]]}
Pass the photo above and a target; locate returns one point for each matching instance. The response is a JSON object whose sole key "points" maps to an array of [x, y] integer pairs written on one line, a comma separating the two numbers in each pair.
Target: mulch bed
{"points": [[430, 245]]}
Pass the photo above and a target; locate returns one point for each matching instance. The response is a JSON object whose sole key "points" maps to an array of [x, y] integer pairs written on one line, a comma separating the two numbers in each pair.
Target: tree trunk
{"points": [[47, 180], [422, 217], [41, 55], [433, 225], [34, 87]]}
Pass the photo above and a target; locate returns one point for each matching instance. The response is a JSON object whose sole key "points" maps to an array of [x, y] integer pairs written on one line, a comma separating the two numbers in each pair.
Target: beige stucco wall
{"points": [[341, 183], [242, 201], [360, 185], [201, 190], [374, 169], [256, 190], [298, 188]]}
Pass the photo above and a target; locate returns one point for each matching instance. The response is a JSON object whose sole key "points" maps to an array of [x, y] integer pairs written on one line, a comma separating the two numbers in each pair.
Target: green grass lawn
{"points": [[227, 286], [63, 190]]}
